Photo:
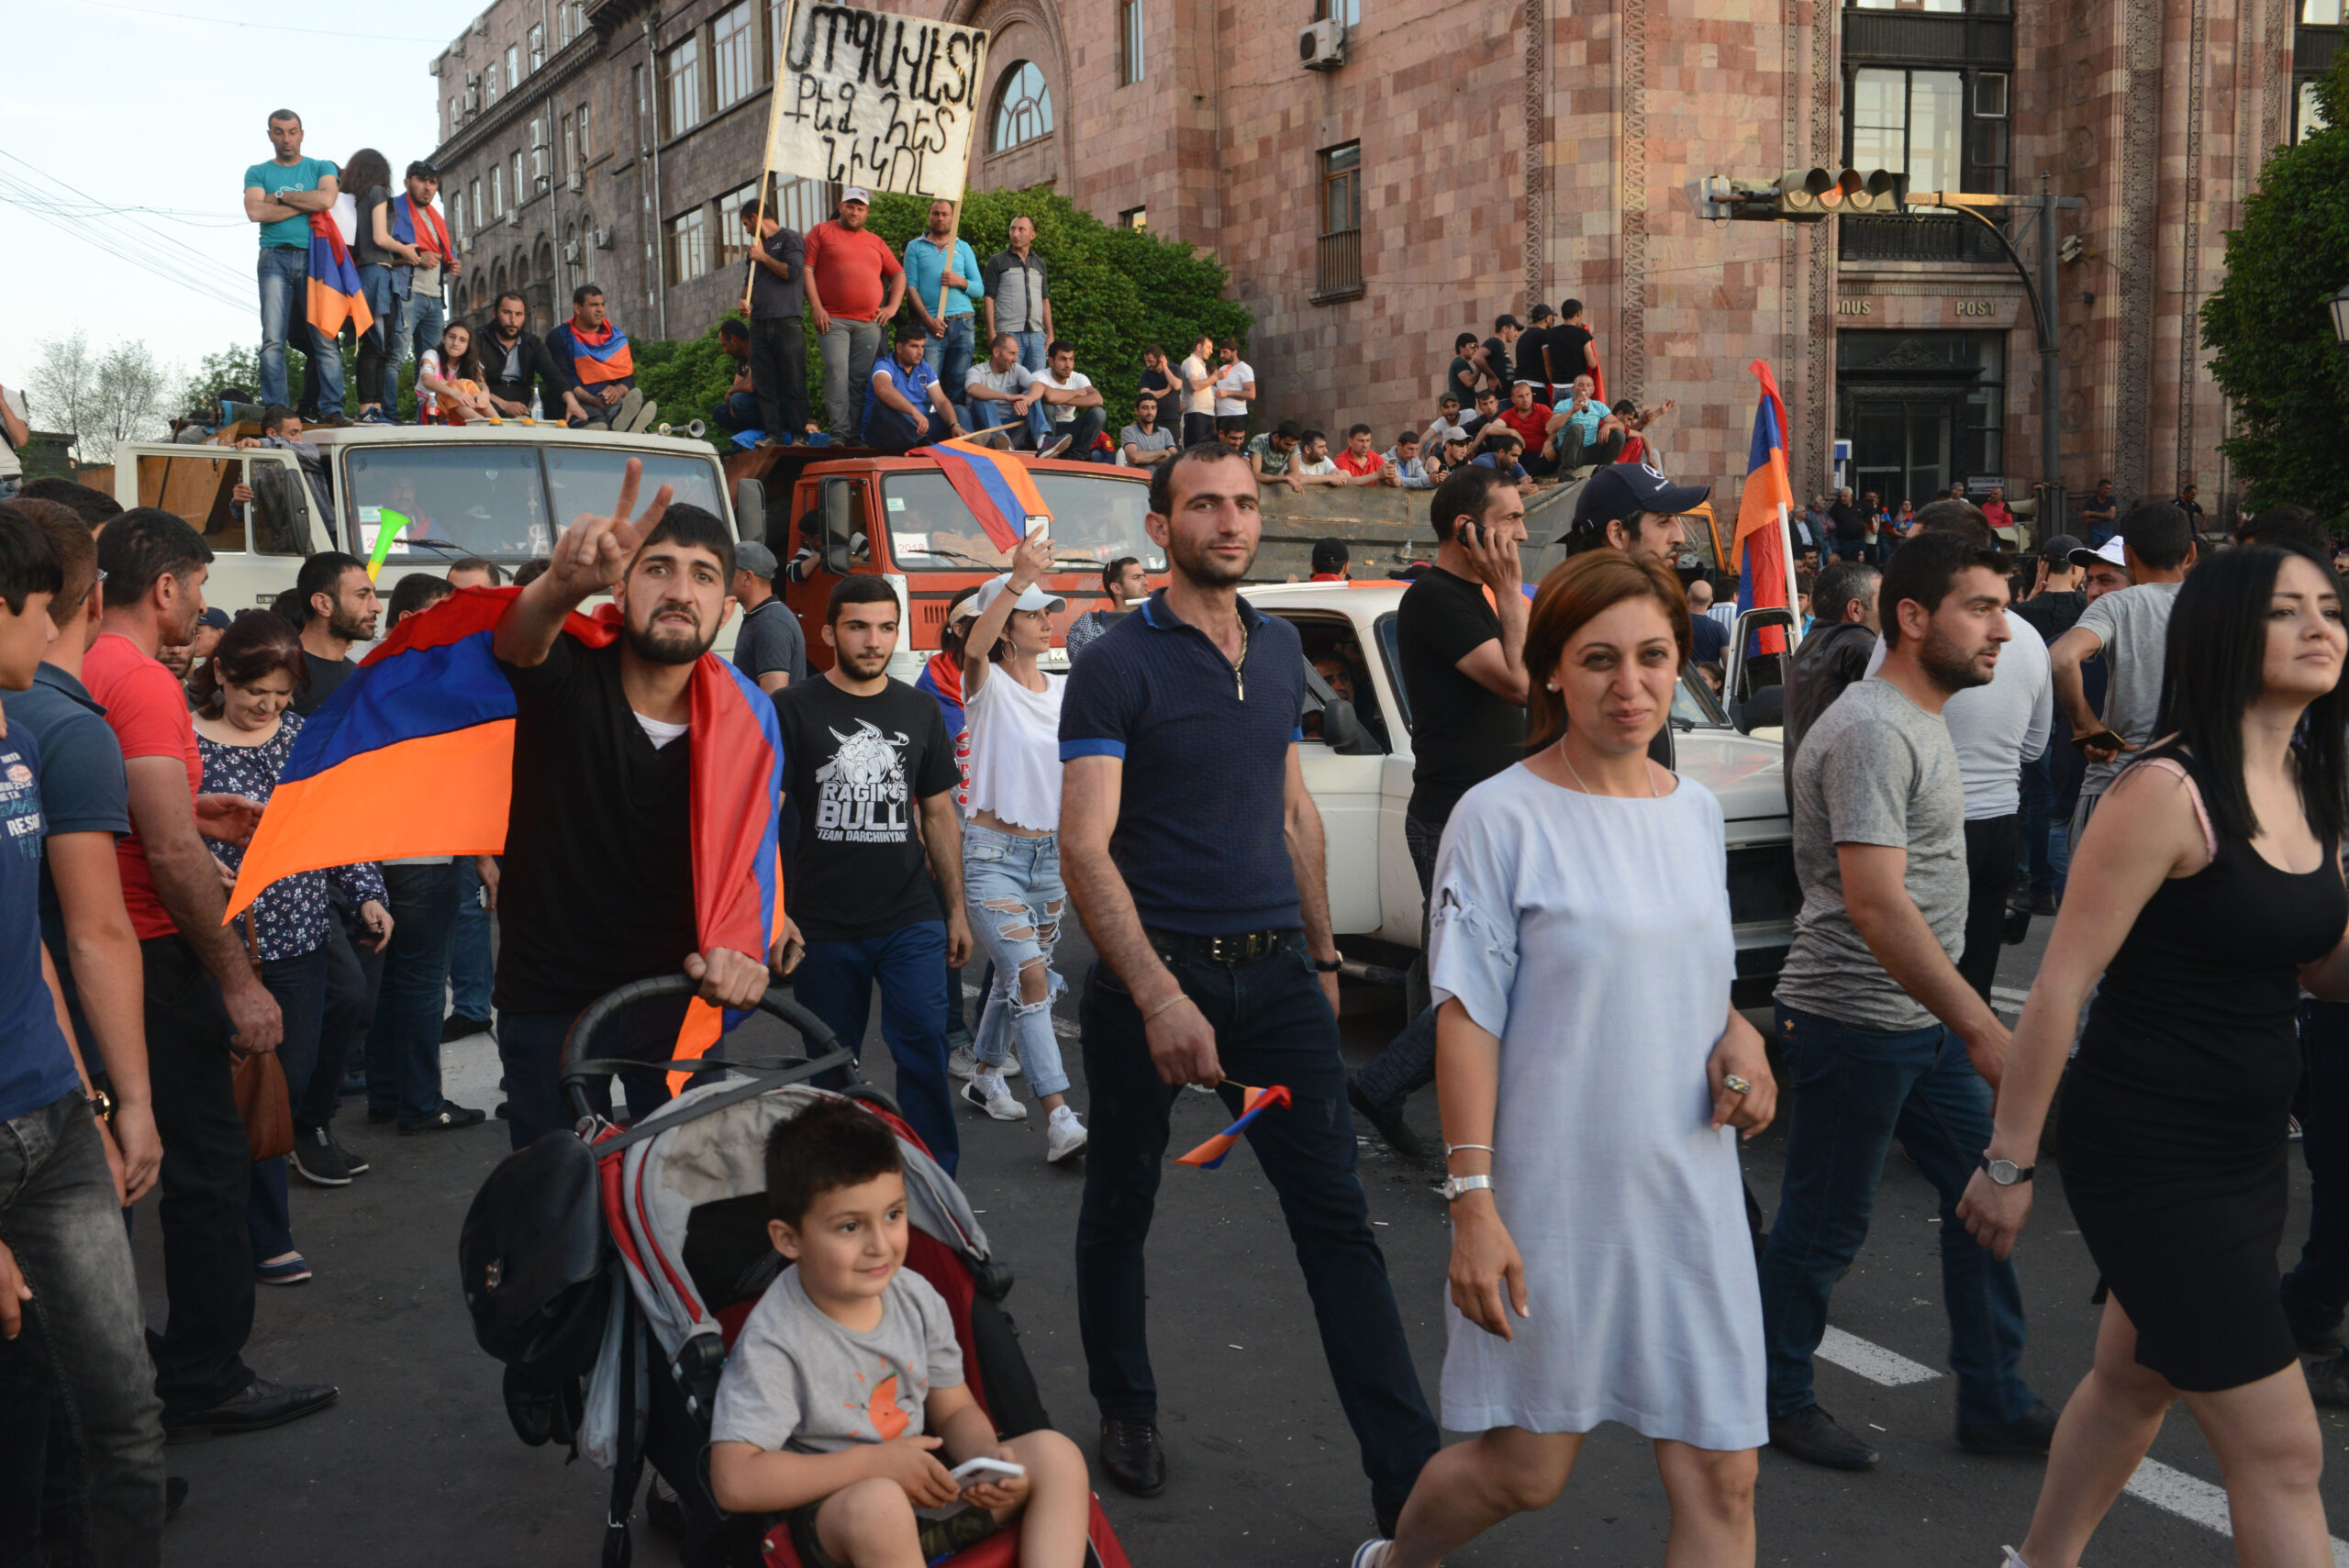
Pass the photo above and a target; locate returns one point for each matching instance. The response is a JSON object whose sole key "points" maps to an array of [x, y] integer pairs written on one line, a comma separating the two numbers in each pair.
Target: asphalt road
{"points": [[416, 1464]]}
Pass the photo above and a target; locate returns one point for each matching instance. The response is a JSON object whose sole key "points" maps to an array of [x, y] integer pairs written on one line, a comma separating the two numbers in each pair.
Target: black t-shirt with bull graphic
{"points": [[860, 767]]}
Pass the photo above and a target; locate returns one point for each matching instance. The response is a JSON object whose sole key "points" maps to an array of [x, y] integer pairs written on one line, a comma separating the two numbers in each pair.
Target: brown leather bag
{"points": [[260, 1083]]}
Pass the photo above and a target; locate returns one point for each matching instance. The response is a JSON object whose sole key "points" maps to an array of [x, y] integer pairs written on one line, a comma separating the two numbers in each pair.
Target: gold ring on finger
{"points": [[1735, 1085]]}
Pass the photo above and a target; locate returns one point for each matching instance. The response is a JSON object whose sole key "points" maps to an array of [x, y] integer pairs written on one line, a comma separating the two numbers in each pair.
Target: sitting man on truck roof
{"points": [[908, 407], [595, 369], [514, 361]]}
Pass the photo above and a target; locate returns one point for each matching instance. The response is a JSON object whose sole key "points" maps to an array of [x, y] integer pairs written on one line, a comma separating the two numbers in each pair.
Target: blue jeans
{"points": [[1011, 887], [835, 981], [469, 968], [2039, 865], [1032, 357], [59, 1216], [1272, 1025], [299, 983], [379, 359], [737, 411], [850, 348], [403, 1042], [949, 357], [284, 273], [423, 318], [530, 1045], [1854, 1091]]}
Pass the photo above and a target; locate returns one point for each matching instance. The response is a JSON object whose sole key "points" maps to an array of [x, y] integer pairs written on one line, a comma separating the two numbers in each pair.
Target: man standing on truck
{"points": [[280, 195], [1019, 290], [778, 347], [908, 407], [597, 370], [1195, 857], [1460, 643], [853, 286], [941, 272]]}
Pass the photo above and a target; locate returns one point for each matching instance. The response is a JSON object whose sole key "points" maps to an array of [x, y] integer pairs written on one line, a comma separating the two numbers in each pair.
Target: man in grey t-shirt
{"points": [[1883, 1037], [769, 648], [2130, 630]]}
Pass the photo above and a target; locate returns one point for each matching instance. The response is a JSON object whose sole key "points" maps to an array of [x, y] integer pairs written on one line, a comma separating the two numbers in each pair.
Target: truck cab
{"points": [[499, 492]]}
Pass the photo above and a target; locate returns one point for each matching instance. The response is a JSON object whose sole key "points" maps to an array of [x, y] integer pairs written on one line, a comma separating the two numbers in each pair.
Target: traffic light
{"points": [[1800, 195]]}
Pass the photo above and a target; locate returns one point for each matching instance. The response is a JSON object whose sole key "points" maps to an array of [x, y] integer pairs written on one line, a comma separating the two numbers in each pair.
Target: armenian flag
{"points": [[414, 755], [335, 295], [1252, 1104], [995, 485], [1760, 544], [599, 358]]}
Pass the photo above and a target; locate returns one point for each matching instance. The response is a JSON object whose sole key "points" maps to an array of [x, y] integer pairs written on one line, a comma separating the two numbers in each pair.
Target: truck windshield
{"points": [[505, 502], [1095, 521]]}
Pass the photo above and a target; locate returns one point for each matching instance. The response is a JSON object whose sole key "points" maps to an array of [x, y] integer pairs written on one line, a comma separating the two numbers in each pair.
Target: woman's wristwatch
{"points": [[1454, 1188]]}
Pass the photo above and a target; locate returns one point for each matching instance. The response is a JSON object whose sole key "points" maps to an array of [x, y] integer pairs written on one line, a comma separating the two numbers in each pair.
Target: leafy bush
{"points": [[2270, 321]]}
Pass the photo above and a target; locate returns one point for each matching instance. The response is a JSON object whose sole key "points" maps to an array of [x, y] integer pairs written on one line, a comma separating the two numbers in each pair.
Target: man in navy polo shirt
{"points": [[65, 1260], [1195, 856]]}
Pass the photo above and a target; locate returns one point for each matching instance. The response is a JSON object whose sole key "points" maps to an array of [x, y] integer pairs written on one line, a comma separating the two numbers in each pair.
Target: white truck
{"points": [[499, 492], [1357, 764]]}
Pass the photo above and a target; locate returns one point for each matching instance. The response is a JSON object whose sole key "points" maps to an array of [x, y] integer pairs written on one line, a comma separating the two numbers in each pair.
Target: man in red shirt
{"points": [[853, 286], [202, 995], [1531, 420], [1995, 512], [1359, 463]]}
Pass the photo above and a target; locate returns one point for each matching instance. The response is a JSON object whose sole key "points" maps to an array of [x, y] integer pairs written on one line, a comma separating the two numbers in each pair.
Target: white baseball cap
{"points": [[1035, 598], [2108, 552], [857, 194]]}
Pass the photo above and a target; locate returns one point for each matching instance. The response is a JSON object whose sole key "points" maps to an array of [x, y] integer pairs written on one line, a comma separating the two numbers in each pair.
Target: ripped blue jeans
{"points": [[1011, 888]]}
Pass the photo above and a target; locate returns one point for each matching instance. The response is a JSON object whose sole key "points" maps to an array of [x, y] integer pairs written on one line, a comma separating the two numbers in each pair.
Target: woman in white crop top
{"points": [[1011, 856]]}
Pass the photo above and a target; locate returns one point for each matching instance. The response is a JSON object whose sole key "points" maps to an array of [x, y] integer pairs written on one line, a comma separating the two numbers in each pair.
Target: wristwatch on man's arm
{"points": [[2005, 1173]]}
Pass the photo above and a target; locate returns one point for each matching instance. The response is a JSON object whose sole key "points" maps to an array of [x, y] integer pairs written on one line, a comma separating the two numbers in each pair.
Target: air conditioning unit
{"points": [[540, 182], [1322, 46], [576, 180], [515, 217], [603, 239], [473, 101], [570, 251]]}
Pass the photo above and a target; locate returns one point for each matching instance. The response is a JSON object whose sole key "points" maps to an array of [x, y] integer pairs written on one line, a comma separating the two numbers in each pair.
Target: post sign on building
{"points": [[870, 98]]}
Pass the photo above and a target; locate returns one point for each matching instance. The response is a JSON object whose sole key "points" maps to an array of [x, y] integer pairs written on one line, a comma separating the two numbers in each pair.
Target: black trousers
{"points": [[1992, 845], [1197, 429], [207, 1170], [2317, 1290], [779, 372]]}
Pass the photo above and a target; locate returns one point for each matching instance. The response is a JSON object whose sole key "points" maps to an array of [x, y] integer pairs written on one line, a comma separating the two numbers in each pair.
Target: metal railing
{"points": [[1339, 268], [1925, 237]]}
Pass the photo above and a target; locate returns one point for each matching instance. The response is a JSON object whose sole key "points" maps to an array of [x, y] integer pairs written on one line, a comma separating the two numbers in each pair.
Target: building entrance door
{"points": [[1922, 410], [1903, 448]]}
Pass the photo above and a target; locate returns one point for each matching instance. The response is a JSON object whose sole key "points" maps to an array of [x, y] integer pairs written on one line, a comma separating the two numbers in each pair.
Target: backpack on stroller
{"points": [[611, 1269]]}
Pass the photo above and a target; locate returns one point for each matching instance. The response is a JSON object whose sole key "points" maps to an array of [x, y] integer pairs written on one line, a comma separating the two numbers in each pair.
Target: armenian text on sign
{"points": [[869, 98]]}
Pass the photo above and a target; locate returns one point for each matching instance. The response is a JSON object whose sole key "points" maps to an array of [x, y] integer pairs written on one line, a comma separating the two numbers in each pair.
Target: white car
{"points": [[1362, 782]]}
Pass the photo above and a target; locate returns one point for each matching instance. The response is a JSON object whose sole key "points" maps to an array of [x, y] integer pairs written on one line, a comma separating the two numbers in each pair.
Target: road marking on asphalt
{"points": [[2165, 1487], [2009, 996], [1873, 1362]]}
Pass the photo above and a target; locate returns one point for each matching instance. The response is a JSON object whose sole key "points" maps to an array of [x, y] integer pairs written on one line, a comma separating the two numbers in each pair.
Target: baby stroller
{"points": [[611, 1269]]}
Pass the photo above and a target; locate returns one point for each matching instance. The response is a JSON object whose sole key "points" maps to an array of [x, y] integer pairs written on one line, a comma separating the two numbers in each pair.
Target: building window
{"points": [[1339, 272], [1945, 5], [489, 86], [1986, 159], [2323, 13], [688, 235], [734, 52], [570, 145], [681, 88], [1909, 121], [537, 46], [1023, 107], [497, 195], [513, 64], [562, 24], [2307, 113], [636, 85], [1129, 42], [733, 234], [586, 142], [476, 203], [1346, 13], [1134, 218], [539, 153], [801, 204], [522, 191]]}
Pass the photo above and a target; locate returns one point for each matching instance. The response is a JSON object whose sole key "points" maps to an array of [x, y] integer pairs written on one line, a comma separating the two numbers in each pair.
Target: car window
{"points": [[1095, 521], [1336, 666], [583, 478], [475, 499], [1383, 631]]}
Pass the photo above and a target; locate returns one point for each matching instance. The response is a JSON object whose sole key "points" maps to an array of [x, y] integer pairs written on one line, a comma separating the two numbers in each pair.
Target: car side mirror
{"points": [[1340, 727], [840, 517]]}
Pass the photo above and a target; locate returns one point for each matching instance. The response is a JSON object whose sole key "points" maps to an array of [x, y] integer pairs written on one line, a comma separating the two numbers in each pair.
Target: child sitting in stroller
{"points": [[850, 1360]]}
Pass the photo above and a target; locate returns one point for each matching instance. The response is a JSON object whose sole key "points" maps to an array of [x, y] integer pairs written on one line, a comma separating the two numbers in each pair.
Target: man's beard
{"points": [[351, 626], [865, 666], [1204, 570], [658, 645], [1949, 665]]}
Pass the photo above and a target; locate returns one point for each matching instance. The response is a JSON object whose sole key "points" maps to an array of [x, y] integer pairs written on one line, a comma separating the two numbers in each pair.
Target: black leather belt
{"points": [[1245, 948]]}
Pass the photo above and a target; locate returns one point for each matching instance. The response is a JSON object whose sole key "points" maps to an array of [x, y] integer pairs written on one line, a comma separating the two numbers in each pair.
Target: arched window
{"points": [[1023, 107]]}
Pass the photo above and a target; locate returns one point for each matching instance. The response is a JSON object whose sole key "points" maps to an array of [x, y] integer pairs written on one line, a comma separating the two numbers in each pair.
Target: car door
{"points": [[1345, 785]]}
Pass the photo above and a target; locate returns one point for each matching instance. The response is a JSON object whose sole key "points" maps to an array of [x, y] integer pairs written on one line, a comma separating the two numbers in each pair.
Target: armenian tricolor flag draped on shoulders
{"points": [[414, 755], [598, 357], [995, 485], [1760, 543], [335, 295]]}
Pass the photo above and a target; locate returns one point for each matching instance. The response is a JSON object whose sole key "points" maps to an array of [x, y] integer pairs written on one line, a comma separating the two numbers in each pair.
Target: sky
{"points": [[163, 104]]}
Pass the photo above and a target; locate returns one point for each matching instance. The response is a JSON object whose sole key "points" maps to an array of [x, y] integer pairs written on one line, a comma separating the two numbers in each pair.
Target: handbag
{"points": [[259, 1080]]}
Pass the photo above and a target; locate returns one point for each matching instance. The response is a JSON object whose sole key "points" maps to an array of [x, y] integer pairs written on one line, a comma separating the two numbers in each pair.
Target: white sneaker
{"points": [[1064, 1136], [1372, 1553], [2013, 1559], [990, 1094], [1011, 1068], [962, 1062]]}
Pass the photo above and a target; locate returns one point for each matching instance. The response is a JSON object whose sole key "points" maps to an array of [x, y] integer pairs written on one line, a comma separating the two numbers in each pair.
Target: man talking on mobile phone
{"points": [[1460, 642]]}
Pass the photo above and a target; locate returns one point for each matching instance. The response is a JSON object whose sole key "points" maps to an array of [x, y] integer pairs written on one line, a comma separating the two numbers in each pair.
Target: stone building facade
{"points": [[1467, 159]]}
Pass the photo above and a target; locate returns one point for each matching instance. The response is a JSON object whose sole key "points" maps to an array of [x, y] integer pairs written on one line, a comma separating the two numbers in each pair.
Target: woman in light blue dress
{"points": [[1594, 1081]]}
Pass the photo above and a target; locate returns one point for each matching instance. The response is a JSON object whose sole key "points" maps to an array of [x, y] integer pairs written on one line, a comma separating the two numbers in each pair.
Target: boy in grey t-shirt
{"points": [[849, 1364], [1882, 1034]]}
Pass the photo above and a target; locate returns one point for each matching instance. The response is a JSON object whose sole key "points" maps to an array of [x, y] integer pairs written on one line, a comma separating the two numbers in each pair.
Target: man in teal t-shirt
{"points": [[280, 195]]}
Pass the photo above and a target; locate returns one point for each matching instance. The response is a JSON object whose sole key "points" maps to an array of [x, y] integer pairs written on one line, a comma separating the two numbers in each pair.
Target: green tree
{"points": [[2277, 359]]}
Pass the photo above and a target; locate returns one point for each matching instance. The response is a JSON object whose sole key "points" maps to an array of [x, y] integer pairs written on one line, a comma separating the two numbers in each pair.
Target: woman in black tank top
{"points": [[2206, 890]]}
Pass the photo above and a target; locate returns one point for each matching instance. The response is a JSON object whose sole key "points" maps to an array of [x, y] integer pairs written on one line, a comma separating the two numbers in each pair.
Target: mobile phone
{"points": [[1476, 535], [983, 1470]]}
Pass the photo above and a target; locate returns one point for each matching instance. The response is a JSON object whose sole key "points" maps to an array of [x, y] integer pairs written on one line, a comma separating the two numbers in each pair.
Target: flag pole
{"points": [[1794, 600]]}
